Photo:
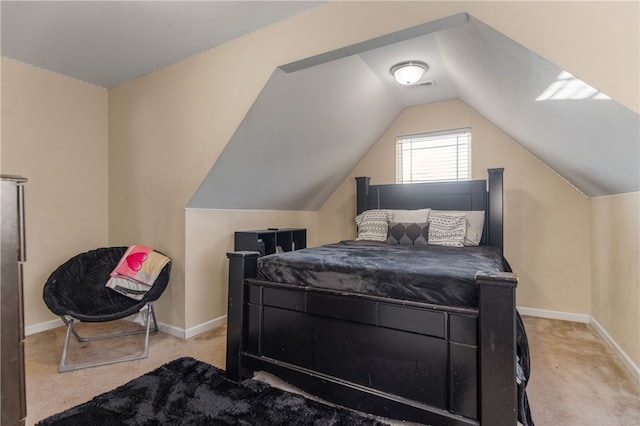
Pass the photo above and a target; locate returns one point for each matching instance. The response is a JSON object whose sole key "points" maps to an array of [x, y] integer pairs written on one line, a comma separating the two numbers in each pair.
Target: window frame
{"points": [[406, 144]]}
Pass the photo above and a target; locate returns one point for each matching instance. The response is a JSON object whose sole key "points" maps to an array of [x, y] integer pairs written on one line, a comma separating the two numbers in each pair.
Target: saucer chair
{"points": [[76, 292]]}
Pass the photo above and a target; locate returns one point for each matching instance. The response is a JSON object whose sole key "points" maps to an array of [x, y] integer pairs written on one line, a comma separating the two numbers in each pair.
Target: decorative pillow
{"points": [[361, 216], [446, 230], [409, 216], [372, 225], [408, 233], [475, 224]]}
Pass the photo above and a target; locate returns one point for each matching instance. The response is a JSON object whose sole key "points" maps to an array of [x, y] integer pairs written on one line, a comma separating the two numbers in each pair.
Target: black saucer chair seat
{"points": [[76, 291]]}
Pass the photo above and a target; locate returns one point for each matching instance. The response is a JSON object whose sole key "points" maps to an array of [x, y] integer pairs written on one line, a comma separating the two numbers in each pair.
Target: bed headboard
{"points": [[462, 195]]}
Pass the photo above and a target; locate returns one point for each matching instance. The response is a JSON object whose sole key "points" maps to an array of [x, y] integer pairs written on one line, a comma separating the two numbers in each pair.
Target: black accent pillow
{"points": [[408, 233]]}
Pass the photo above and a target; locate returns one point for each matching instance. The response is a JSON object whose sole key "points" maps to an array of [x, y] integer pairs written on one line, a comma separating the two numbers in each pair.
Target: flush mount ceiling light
{"points": [[408, 72]]}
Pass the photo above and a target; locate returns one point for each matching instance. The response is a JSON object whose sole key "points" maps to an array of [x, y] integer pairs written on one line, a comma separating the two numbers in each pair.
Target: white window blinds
{"points": [[437, 156]]}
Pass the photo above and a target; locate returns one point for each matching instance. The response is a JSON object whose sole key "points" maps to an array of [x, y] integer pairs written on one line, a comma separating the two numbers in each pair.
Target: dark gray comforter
{"points": [[432, 274]]}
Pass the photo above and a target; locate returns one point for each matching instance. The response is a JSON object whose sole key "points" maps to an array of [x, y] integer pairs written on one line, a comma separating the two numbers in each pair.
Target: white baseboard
{"points": [[564, 316], [43, 326], [628, 363], [587, 319], [180, 333], [206, 326], [170, 329], [193, 331]]}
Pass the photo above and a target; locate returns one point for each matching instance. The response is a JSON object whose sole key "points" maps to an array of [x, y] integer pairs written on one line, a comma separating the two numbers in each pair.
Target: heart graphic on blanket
{"points": [[135, 260]]}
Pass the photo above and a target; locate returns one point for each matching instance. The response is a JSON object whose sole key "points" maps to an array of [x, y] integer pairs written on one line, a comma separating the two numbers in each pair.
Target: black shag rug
{"points": [[190, 392]]}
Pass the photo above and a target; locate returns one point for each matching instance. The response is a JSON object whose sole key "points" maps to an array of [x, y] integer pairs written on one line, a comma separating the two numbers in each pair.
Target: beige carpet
{"points": [[49, 392], [576, 380]]}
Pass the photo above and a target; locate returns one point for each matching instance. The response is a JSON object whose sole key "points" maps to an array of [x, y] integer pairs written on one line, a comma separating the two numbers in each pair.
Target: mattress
{"points": [[432, 274]]}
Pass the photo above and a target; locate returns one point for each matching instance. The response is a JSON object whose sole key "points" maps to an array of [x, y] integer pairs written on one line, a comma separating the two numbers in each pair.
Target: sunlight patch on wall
{"points": [[567, 87]]}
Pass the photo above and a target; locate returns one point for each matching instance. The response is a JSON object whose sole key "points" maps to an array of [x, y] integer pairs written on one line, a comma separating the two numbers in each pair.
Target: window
{"points": [[436, 156]]}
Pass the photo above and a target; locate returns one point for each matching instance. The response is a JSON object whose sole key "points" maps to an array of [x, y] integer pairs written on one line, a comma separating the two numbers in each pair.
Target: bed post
{"points": [[498, 390], [362, 192], [496, 212], [242, 264]]}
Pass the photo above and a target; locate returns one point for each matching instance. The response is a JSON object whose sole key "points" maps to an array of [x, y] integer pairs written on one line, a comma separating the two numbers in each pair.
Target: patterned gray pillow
{"points": [[408, 233], [372, 225], [475, 223], [447, 230]]}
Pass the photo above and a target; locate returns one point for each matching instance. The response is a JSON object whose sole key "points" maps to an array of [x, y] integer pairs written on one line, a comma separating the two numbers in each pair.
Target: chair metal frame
{"points": [[70, 321]]}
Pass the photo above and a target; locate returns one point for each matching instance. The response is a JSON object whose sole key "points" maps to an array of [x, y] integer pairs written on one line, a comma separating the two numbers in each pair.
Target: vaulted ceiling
{"points": [[316, 118], [108, 43]]}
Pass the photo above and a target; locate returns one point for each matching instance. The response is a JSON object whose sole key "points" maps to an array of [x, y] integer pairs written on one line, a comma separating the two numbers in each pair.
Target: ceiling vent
{"points": [[421, 85]]}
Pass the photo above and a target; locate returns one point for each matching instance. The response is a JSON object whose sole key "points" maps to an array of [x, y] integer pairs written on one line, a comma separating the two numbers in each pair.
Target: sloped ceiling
{"points": [[108, 43], [316, 118]]}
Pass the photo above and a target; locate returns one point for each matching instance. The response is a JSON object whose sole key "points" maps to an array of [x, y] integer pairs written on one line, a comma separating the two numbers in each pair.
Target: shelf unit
{"points": [[265, 241]]}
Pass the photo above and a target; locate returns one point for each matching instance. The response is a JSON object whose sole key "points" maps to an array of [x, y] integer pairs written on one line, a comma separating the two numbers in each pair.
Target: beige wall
{"points": [[185, 114], [546, 219], [209, 238], [166, 130], [54, 132], [615, 269]]}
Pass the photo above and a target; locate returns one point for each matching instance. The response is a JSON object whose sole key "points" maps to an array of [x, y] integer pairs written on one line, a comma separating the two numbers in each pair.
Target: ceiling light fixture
{"points": [[408, 72]]}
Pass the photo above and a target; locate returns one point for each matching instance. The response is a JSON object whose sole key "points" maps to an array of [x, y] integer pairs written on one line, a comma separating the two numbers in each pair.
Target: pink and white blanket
{"points": [[137, 271]]}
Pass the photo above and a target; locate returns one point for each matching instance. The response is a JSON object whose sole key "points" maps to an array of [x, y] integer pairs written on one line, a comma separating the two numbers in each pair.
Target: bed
{"points": [[447, 350]]}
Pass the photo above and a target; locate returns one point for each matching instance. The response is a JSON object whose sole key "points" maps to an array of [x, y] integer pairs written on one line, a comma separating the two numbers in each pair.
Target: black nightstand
{"points": [[265, 241]]}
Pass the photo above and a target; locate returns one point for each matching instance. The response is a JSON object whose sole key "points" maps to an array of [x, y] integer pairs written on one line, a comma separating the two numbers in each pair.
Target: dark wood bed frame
{"points": [[432, 364]]}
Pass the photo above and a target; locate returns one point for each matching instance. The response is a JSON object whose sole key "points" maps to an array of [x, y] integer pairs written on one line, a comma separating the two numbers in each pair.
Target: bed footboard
{"points": [[498, 390], [468, 356], [242, 265]]}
